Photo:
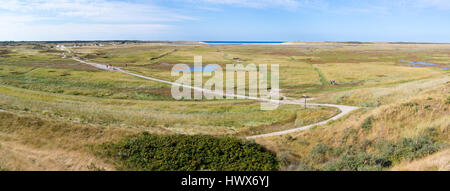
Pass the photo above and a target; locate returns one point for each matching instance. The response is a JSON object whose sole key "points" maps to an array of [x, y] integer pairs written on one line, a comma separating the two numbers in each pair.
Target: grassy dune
{"points": [[435, 162], [418, 124], [31, 143]]}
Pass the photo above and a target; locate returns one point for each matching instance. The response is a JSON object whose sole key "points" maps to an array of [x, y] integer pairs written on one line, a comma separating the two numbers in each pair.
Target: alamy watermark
{"points": [[235, 81]]}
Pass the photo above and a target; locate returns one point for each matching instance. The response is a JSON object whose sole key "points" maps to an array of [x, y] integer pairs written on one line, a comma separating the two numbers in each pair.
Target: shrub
{"points": [[382, 161], [447, 101], [360, 161], [357, 159], [385, 148], [284, 157], [349, 132], [408, 148], [431, 132], [183, 152], [319, 153], [367, 123], [410, 104], [4, 53], [411, 148]]}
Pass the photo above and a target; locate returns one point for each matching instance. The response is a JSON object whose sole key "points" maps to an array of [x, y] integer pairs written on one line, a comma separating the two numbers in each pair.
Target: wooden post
{"points": [[305, 97]]}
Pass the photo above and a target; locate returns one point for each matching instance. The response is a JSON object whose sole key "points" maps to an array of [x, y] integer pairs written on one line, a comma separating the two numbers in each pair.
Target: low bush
{"points": [[319, 153], [408, 148], [355, 158], [4, 52], [410, 104], [367, 123], [360, 161], [184, 153], [412, 148]]}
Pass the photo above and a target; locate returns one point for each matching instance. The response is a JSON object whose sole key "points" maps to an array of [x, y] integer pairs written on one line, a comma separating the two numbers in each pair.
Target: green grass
{"points": [[190, 117], [302, 117], [119, 56], [93, 83], [323, 80]]}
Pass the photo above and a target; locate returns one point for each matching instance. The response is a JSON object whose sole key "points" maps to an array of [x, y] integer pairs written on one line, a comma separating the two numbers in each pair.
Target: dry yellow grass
{"points": [[31, 143], [406, 118], [19, 157], [377, 95]]}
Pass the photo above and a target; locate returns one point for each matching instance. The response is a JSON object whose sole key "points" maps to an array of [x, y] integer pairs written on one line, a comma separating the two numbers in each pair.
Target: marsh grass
{"points": [[189, 117]]}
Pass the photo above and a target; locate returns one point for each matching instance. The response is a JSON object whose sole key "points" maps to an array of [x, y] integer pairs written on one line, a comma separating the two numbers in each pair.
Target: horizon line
{"points": [[225, 41]]}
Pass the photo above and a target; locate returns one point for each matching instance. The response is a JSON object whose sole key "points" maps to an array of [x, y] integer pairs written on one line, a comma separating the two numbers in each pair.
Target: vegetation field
{"points": [[181, 152], [59, 114]]}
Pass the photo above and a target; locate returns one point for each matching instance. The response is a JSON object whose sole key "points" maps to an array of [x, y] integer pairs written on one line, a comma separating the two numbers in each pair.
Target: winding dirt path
{"points": [[344, 109]]}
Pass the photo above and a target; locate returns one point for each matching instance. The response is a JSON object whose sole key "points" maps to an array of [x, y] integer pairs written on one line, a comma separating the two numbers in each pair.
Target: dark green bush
{"points": [[412, 148], [348, 158], [367, 123], [182, 152], [4, 52], [410, 104], [409, 148]]}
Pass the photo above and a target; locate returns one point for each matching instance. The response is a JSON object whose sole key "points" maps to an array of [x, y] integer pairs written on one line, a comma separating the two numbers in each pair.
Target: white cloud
{"points": [[83, 20], [438, 4], [95, 10], [257, 3], [262, 4], [348, 6], [70, 31]]}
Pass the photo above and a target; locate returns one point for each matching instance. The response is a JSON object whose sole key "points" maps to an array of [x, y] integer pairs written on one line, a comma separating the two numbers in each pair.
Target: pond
{"points": [[238, 43], [243, 42], [208, 68], [420, 63]]}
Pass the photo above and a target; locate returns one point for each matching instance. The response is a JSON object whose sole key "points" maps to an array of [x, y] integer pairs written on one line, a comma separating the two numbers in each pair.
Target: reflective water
{"points": [[208, 68], [420, 63]]}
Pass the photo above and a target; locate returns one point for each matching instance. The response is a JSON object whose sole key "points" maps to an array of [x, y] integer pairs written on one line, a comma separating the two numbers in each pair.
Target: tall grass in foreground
{"points": [[31, 143]]}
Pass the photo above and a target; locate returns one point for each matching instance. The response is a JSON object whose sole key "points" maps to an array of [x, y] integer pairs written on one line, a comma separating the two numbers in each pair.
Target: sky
{"points": [[226, 20]]}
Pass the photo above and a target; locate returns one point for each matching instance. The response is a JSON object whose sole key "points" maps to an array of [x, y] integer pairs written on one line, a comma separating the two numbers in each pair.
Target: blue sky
{"points": [[274, 20]]}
